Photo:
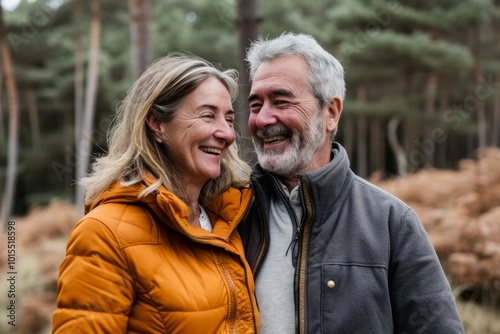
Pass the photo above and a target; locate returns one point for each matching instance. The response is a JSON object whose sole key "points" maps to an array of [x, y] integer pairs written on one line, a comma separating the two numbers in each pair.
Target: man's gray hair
{"points": [[326, 77]]}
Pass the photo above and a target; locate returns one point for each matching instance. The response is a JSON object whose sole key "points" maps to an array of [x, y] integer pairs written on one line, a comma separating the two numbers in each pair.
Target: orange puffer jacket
{"points": [[138, 266]]}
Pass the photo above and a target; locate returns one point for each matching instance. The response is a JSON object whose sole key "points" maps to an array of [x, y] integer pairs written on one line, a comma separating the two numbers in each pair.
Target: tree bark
{"points": [[397, 148], [79, 68], [139, 32], [11, 174], [84, 145], [430, 108], [404, 136], [362, 150], [2, 131], [444, 105], [34, 119], [348, 133], [376, 147], [495, 141], [430, 113], [248, 25], [481, 111]]}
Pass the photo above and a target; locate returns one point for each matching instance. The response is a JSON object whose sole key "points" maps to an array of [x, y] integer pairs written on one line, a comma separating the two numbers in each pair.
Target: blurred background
{"points": [[421, 117]]}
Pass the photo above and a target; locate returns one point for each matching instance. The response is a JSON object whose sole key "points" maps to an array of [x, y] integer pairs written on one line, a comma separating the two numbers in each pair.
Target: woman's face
{"points": [[201, 131]]}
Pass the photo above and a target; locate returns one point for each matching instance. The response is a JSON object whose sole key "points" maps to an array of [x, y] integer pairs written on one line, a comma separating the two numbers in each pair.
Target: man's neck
{"points": [[289, 182]]}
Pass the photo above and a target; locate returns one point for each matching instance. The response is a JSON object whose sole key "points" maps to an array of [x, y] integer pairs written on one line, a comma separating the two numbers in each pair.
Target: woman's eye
{"points": [[208, 115]]}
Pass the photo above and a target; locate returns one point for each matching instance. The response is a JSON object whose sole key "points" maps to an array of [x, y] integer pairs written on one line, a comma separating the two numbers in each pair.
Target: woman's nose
{"points": [[225, 131]]}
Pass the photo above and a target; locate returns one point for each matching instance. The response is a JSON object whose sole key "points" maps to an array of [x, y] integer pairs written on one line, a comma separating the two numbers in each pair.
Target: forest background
{"points": [[423, 96]]}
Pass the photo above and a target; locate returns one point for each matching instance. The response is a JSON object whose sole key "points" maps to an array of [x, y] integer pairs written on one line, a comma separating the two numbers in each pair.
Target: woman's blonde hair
{"points": [[132, 150]]}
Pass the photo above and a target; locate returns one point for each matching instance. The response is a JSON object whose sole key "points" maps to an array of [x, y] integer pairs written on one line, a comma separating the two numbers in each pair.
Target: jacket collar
{"points": [[227, 208], [331, 179]]}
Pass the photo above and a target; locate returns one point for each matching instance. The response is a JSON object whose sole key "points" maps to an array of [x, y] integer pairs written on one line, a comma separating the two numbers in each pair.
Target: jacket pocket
{"points": [[355, 299]]}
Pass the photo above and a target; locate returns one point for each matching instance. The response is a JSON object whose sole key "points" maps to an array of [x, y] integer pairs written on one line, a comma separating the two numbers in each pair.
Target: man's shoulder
{"points": [[372, 188], [372, 192]]}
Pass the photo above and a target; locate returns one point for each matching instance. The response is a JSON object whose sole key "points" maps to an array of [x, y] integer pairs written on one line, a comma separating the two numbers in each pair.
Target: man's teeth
{"points": [[210, 150], [274, 138]]}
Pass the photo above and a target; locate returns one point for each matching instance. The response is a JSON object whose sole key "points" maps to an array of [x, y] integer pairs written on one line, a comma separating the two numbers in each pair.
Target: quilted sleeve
{"points": [[95, 288]]}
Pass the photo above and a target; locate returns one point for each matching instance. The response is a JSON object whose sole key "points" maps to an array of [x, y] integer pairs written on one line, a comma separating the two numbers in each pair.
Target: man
{"points": [[331, 253]]}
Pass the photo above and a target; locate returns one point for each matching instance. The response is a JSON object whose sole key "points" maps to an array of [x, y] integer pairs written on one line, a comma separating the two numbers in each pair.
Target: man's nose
{"points": [[266, 116]]}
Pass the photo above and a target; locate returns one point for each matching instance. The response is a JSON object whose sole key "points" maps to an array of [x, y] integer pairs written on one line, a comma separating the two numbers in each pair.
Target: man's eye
{"points": [[255, 107]]}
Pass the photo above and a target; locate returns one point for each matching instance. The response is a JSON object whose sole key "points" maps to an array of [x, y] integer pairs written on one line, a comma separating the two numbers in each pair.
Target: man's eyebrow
{"points": [[274, 93], [282, 92], [252, 97]]}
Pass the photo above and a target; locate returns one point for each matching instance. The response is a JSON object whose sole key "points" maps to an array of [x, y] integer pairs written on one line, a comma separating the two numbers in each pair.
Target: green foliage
{"points": [[199, 27]]}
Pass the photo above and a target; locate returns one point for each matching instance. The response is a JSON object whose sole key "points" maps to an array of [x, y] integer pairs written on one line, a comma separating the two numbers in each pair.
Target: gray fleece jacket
{"points": [[364, 263]]}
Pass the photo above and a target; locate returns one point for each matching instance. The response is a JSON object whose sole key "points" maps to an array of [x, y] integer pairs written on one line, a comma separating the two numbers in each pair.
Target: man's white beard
{"points": [[295, 158]]}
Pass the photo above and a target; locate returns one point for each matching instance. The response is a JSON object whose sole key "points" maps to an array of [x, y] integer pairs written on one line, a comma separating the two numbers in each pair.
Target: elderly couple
{"points": [[181, 236]]}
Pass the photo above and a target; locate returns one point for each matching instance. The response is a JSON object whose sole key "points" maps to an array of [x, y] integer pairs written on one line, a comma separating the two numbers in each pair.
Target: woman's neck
{"points": [[193, 202]]}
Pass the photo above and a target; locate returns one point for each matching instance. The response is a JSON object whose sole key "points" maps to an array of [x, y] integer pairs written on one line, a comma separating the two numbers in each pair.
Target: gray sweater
{"points": [[364, 263]]}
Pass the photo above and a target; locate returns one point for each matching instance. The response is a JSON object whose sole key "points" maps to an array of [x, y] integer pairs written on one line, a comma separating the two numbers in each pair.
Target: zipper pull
{"points": [[296, 238]]}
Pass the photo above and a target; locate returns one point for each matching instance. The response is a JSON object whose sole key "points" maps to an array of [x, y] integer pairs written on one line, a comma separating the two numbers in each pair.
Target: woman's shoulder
{"points": [[128, 223]]}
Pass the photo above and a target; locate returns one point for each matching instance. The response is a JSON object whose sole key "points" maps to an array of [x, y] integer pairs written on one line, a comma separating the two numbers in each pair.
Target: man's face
{"points": [[290, 134]]}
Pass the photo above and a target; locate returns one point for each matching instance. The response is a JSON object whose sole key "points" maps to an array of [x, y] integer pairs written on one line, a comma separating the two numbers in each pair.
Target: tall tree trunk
{"points": [[402, 144], [3, 143], [481, 120], [348, 134], [79, 91], [84, 147], [79, 68], [2, 131], [34, 119], [376, 147], [430, 109], [430, 113], [397, 148], [139, 32], [10, 80], [481, 111], [248, 25], [362, 149], [68, 135], [444, 106], [495, 141]]}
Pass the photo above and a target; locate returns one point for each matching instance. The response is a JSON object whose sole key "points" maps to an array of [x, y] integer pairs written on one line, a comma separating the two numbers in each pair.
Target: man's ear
{"points": [[334, 112], [154, 125]]}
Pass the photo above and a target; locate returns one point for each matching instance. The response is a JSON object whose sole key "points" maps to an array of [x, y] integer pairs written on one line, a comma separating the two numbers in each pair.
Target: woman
{"points": [[158, 250]]}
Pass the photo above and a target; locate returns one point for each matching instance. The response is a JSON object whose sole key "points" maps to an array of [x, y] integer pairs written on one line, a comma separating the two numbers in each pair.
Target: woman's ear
{"points": [[155, 126], [334, 112]]}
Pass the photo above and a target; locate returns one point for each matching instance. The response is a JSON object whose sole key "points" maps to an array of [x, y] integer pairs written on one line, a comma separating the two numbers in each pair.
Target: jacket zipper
{"points": [[231, 318], [263, 229], [301, 269]]}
